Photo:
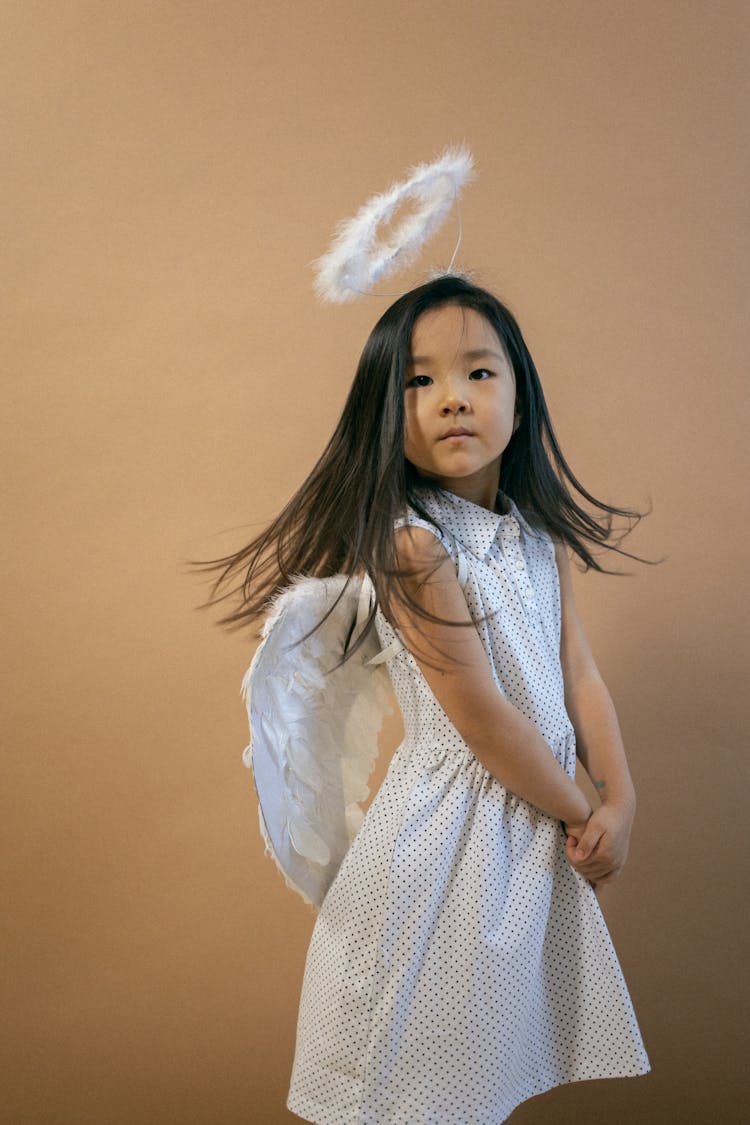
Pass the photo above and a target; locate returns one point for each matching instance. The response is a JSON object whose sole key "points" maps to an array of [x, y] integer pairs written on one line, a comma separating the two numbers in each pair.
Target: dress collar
{"points": [[475, 527]]}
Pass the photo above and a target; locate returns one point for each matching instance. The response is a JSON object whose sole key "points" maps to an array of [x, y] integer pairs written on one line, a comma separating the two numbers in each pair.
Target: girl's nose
{"points": [[454, 403], [455, 399]]}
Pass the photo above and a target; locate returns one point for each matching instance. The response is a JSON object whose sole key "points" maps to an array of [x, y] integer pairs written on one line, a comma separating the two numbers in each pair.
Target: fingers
{"points": [[599, 867], [593, 863], [600, 873], [588, 841], [594, 854]]}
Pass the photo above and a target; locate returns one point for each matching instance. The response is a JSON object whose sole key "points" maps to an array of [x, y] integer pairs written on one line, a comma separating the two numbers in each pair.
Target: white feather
{"points": [[314, 730], [356, 261]]}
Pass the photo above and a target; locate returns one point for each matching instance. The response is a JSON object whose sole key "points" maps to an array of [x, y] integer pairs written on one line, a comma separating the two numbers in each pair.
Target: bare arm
{"points": [[602, 847], [457, 669]]}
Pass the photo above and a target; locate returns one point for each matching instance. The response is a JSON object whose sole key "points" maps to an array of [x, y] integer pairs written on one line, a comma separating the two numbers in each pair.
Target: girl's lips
{"points": [[454, 435]]}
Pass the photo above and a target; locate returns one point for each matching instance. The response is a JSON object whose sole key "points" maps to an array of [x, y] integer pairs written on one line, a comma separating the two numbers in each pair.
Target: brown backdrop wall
{"points": [[172, 168]]}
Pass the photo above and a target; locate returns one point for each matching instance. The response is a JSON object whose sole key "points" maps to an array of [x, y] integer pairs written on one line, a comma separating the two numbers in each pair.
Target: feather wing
{"points": [[314, 730]]}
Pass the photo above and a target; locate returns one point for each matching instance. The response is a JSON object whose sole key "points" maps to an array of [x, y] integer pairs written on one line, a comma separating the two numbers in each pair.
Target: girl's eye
{"points": [[419, 381], [481, 373]]}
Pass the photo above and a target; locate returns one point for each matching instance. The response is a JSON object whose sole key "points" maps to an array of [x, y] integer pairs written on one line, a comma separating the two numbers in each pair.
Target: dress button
{"points": [[520, 564]]}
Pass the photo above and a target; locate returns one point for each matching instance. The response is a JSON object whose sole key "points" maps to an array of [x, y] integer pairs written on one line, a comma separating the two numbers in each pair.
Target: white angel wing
{"points": [[313, 728]]}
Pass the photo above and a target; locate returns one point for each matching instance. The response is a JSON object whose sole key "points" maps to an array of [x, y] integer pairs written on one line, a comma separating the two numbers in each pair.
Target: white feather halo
{"points": [[357, 261]]}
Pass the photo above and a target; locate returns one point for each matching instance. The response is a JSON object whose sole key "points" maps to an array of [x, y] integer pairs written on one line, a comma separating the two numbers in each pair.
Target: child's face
{"points": [[460, 402]]}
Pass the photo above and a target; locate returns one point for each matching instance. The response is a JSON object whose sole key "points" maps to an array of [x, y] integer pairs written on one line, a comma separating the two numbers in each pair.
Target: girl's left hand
{"points": [[600, 852]]}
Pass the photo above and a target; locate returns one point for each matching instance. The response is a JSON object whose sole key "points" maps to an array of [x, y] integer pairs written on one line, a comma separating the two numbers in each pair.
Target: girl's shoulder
{"points": [[431, 519], [412, 518], [433, 512]]}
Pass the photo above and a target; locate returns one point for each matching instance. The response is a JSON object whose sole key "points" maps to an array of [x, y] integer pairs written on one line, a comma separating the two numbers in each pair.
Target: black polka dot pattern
{"points": [[458, 964]]}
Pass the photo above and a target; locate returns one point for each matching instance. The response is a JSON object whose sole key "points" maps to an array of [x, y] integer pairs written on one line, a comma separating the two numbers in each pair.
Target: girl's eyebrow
{"points": [[476, 353]]}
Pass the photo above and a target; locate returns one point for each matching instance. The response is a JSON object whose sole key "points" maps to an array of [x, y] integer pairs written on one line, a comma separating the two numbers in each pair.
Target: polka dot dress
{"points": [[459, 965]]}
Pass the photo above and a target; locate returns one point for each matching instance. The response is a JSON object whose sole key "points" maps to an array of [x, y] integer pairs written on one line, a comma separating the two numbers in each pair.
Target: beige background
{"points": [[171, 169]]}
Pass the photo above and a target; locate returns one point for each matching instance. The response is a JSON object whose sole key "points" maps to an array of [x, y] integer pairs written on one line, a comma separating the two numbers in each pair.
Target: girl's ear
{"points": [[516, 421]]}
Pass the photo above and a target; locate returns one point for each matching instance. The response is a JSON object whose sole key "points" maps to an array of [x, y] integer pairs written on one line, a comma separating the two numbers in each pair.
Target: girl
{"points": [[460, 963]]}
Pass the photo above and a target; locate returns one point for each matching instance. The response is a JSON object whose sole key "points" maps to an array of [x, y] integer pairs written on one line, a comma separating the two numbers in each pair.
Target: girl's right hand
{"points": [[600, 853], [575, 831]]}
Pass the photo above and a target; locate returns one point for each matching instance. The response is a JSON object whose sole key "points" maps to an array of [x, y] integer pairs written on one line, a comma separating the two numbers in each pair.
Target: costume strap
{"points": [[387, 653], [364, 604]]}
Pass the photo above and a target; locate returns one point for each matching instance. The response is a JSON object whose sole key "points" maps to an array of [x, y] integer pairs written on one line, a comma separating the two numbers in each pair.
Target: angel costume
{"points": [[459, 965]]}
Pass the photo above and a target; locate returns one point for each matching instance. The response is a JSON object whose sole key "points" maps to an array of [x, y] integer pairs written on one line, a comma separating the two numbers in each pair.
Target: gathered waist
{"points": [[422, 746]]}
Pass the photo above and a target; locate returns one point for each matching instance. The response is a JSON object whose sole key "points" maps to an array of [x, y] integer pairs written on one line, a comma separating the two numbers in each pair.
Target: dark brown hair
{"points": [[341, 520]]}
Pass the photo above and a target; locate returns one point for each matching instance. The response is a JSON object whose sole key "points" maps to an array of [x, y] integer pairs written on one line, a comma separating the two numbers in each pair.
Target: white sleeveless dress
{"points": [[458, 964]]}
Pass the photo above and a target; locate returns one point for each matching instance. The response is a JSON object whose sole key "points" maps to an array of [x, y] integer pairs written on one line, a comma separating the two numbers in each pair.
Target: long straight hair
{"points": [[341, 520]]}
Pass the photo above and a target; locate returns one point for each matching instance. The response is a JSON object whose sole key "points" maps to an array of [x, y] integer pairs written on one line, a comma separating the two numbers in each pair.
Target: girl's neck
{"points": [[501, 506], [483, 492]]}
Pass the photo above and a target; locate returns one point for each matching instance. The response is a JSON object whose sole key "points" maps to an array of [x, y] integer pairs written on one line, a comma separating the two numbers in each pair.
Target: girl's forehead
{"points": [[450, 329]]}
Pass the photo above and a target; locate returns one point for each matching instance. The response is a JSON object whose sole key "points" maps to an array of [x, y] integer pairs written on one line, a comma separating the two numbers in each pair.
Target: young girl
{"points": [[460, 963]]}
